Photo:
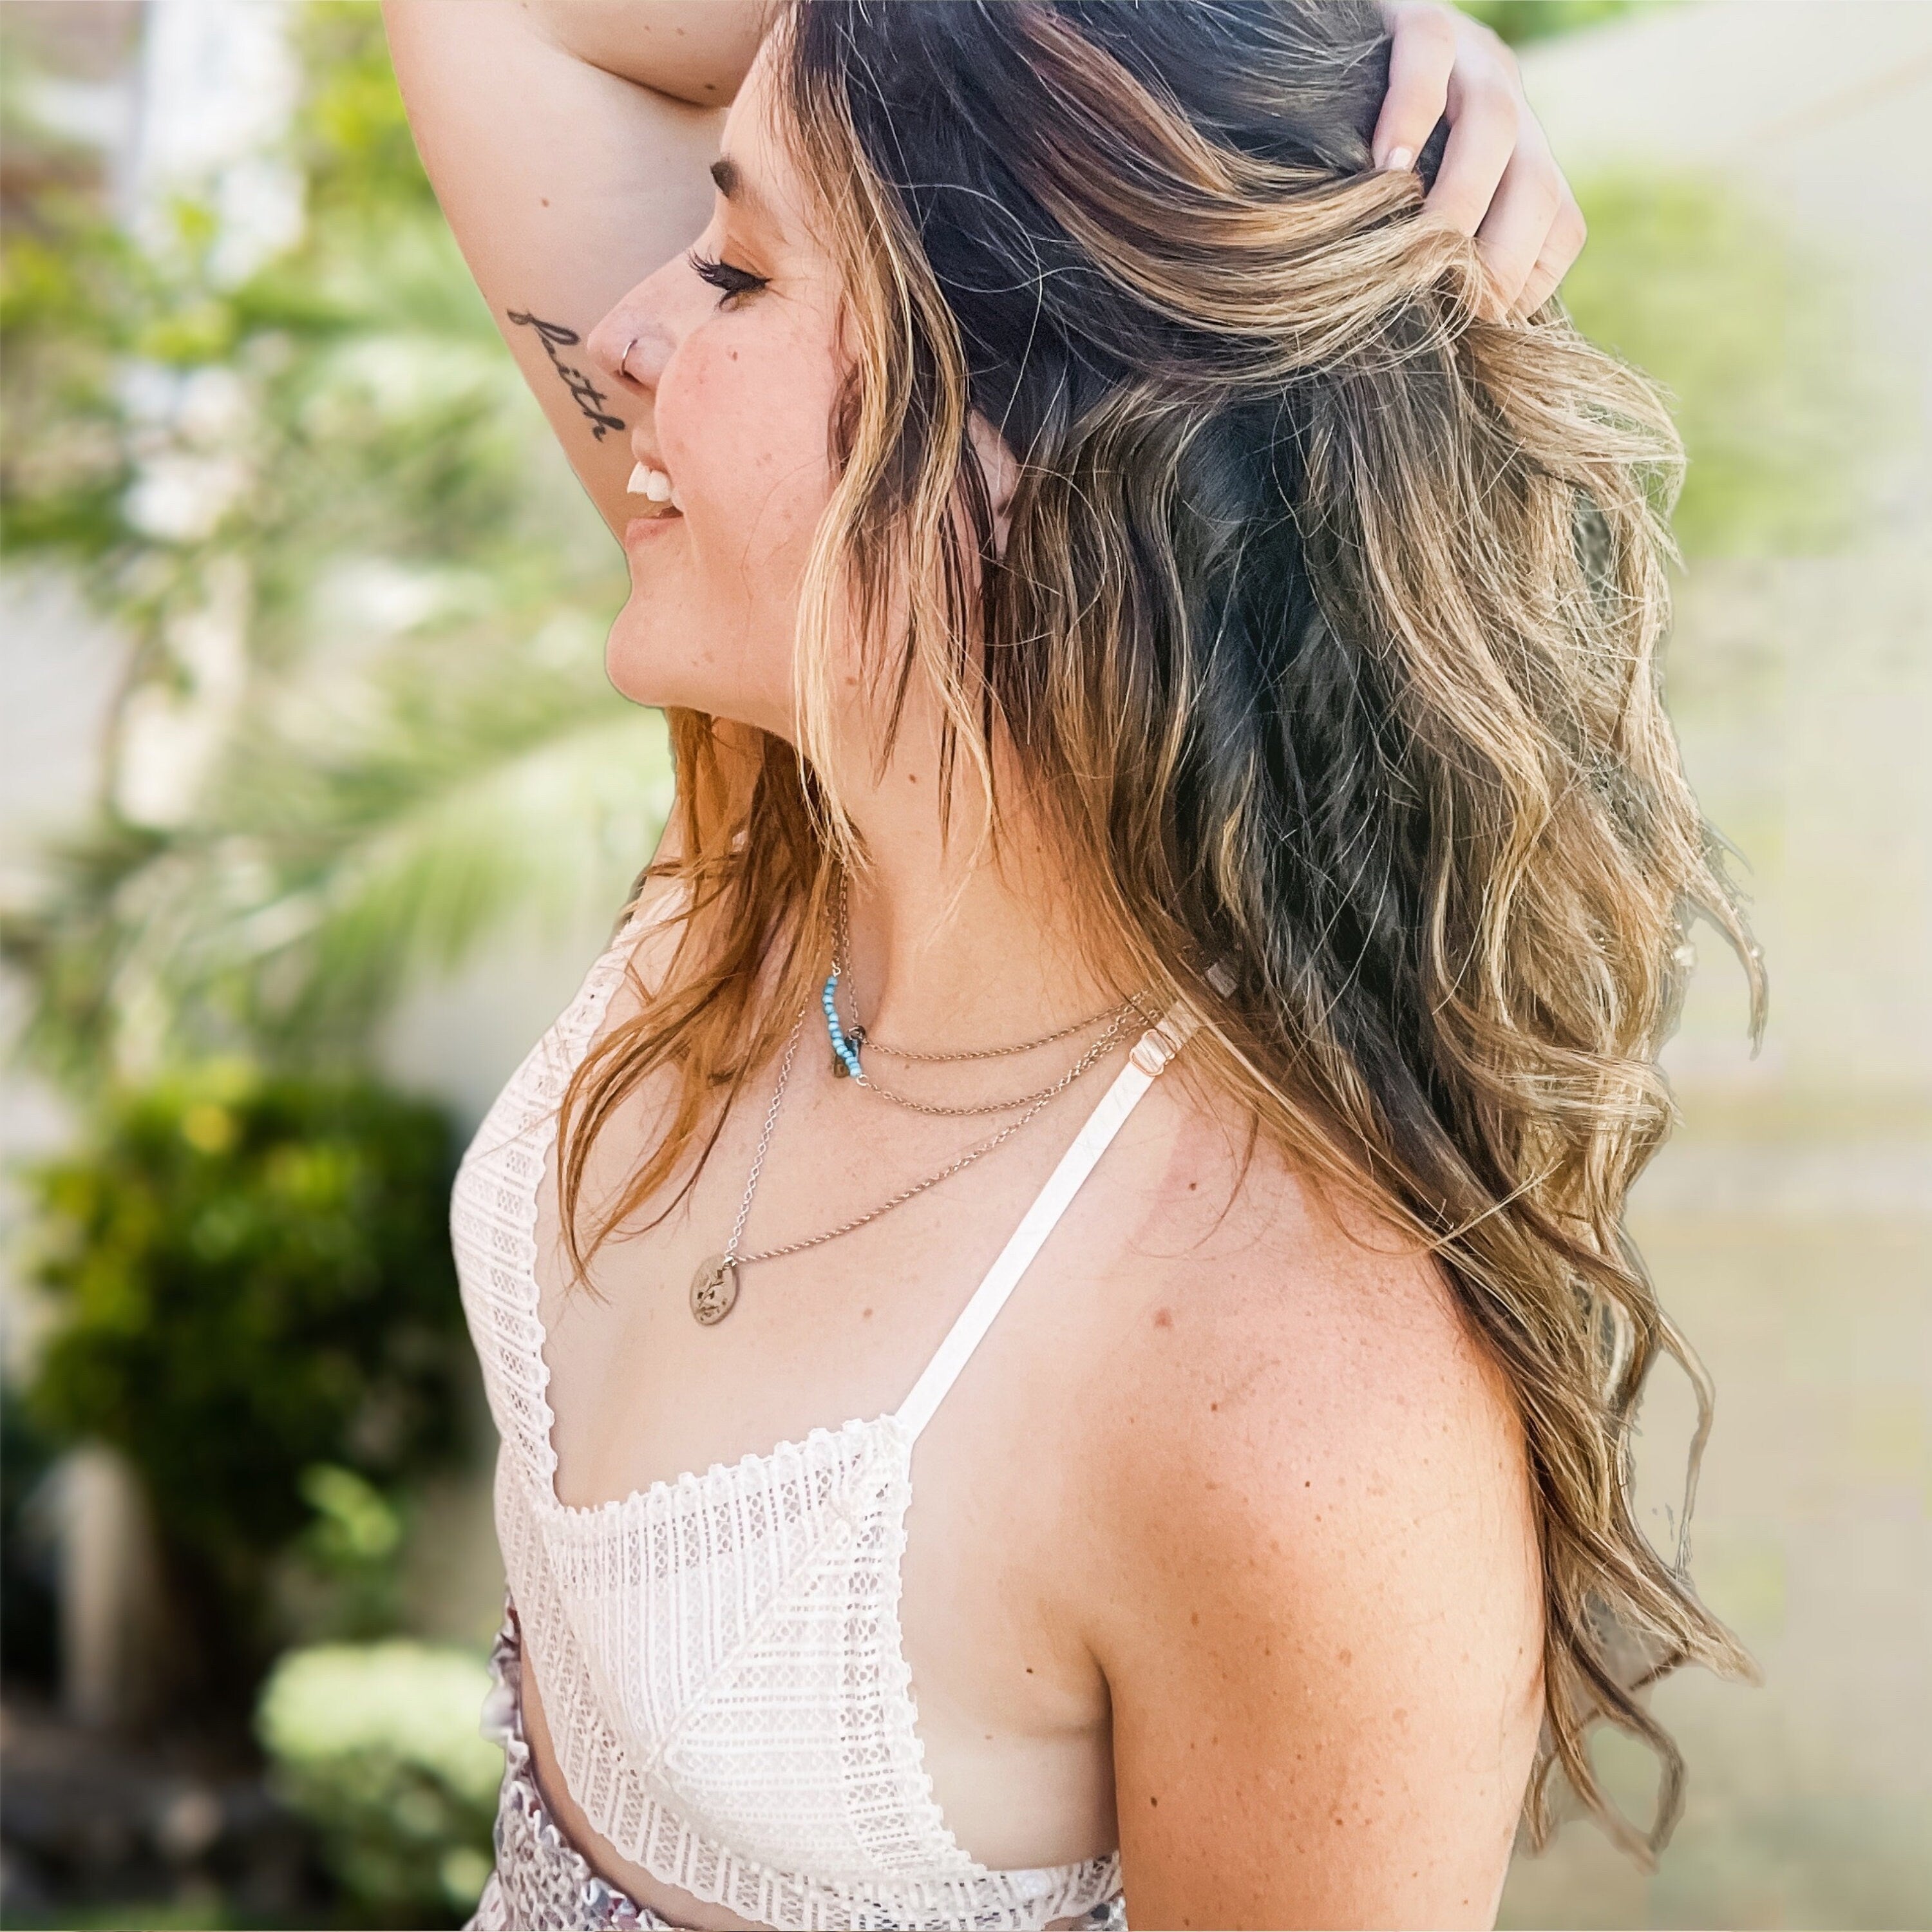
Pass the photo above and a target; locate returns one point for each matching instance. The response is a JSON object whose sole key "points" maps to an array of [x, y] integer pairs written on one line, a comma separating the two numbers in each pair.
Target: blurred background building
{"points": [[314, 804]]}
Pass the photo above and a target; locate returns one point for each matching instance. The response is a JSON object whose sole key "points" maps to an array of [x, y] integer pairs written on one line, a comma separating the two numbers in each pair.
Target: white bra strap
{"points": [[1151, 1052]]}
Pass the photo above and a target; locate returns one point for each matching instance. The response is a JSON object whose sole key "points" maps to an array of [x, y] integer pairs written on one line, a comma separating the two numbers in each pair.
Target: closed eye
{"points": [[724, 277]]}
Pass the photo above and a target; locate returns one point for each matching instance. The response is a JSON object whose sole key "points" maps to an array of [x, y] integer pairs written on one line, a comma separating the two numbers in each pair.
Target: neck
{"points": [[952, 946]]}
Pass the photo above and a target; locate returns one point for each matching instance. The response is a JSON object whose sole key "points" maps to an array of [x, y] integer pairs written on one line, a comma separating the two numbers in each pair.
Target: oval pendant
{"points": [[714, 1288]]}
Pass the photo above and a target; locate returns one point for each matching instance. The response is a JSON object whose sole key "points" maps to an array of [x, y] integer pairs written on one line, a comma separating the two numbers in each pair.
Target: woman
{"points": [[1149, 994]]}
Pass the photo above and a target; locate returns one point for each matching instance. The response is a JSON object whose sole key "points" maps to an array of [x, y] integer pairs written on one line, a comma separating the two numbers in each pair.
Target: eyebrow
{"points": [[732, 185]]}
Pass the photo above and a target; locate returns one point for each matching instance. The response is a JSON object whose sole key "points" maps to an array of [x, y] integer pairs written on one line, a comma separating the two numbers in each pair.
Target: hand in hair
{"points": [[1499, 180]]}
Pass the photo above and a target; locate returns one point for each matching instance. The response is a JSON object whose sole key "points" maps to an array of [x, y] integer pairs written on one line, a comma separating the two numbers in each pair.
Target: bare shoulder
{"points": [[1319, 1601], [1266, 1317]]}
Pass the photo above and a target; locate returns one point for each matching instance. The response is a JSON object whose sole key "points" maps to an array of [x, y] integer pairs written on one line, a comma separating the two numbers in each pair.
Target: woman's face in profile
{"points": [[733, 350]]}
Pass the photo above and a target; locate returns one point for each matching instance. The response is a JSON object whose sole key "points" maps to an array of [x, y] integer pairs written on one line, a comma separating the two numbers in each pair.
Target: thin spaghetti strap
{"points": [[1151, 1053]]}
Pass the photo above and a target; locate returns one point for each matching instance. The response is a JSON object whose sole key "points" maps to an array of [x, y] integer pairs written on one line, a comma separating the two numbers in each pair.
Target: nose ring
{"points": [[624, 360]]}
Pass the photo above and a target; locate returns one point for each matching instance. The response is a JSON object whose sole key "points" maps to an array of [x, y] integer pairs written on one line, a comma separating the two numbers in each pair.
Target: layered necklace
{"points": [[714, 1288]]}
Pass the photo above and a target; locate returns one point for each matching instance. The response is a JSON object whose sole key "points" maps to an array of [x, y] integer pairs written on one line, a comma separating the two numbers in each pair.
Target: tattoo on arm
{"points": [[553, 336]]}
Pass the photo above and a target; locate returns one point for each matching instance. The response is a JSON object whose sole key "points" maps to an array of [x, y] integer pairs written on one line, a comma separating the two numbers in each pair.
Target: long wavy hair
{"points": [[1325, 634]]}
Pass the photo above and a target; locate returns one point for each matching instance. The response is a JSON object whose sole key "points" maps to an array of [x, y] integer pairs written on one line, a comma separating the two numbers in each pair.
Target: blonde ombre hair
{"points": [[1324, 635]]}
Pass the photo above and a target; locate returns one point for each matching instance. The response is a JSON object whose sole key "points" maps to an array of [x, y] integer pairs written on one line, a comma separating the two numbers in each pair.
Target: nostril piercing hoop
{"points": [[624, 360]]}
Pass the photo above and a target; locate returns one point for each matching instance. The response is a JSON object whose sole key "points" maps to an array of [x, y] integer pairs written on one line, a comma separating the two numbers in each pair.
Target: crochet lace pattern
{"points": [[723, 1671], [541, 1882]]}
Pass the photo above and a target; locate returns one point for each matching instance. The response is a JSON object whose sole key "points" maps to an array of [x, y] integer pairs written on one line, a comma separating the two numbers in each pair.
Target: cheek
{"points": [[741, 421]]}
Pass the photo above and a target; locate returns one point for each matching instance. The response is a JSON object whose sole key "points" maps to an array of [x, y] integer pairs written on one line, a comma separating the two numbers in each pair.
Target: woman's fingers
{"points": [[1485, 120], [1422, 54], [1513, 235], [1498, 180], [1561, 247]]}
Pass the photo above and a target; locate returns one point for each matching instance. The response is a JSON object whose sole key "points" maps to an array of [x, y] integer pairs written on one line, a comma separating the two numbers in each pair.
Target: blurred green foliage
{"points": [[1521, 20], [377, 1746], [344, 1578], [365, 721], [252, 1297], [29, 1610], [1755, 341], [354, 138], [192, 1914]]}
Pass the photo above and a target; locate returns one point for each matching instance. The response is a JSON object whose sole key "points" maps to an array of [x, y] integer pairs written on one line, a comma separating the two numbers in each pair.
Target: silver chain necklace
{"points": [[1100, 1046], [1115, 1018], [714, 1288]]}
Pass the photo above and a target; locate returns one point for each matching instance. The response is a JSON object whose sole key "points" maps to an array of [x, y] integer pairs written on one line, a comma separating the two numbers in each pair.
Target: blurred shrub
{"points": [[29, 1611], [377, 1746], [254, 1299], [349, 1548]]}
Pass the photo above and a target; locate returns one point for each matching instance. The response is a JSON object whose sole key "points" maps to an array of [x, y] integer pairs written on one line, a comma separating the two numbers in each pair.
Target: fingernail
{"points": [[1399, 160]]}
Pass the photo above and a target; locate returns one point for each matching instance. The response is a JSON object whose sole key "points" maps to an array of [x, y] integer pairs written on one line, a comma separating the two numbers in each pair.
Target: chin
{"points": [[643, 661], [627, 664], [646, 661]]}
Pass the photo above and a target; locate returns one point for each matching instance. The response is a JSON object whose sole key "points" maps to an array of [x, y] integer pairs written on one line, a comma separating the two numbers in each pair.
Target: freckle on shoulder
{"points": [[1264, 1262]]}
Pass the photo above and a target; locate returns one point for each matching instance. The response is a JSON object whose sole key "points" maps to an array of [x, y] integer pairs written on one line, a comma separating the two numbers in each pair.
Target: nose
{"points": [[631, 345]]}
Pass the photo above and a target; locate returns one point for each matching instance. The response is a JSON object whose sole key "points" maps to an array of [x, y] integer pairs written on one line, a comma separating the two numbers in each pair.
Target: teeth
{"points": [[656, 487], [653, 483]]}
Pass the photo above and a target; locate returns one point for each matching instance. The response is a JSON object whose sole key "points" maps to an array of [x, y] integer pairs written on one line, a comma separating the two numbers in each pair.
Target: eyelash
{"points": [[722, 276]]}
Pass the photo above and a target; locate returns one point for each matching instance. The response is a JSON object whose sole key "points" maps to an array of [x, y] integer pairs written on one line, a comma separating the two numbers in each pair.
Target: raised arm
{"points": [[568, 141]]}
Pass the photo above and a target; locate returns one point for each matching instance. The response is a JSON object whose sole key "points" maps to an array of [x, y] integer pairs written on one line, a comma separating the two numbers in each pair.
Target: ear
{"points": [[1001, 469]]}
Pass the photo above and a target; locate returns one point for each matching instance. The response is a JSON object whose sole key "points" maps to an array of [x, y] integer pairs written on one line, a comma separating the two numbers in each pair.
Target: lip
{"points": [[639, 528]]}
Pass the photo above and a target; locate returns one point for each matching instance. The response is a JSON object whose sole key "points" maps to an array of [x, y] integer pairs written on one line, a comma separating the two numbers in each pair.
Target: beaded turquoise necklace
{"points": [[847, 1044]]}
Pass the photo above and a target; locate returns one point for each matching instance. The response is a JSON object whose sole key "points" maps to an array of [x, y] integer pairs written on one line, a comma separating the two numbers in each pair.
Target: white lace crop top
{"points": [[720, 1656]]}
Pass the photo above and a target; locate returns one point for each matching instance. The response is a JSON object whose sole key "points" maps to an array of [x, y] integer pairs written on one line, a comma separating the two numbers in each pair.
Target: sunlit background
{"points": [[314, 803]]}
